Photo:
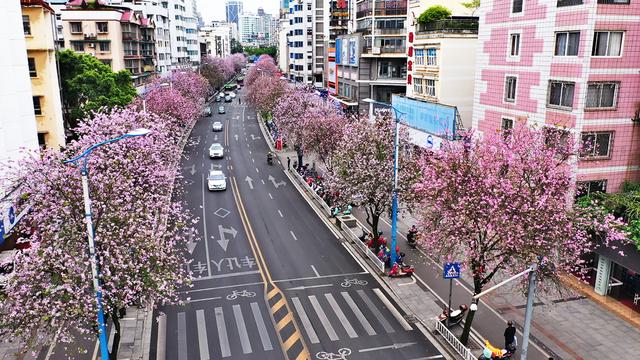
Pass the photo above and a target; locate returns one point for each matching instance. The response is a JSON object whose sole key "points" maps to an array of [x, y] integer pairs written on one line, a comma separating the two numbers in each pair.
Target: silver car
{"points": [[216, 151]]}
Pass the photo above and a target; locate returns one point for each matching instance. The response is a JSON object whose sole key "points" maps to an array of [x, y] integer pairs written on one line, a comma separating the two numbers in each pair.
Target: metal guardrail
{"points": [[379, 264], [454, 342]]}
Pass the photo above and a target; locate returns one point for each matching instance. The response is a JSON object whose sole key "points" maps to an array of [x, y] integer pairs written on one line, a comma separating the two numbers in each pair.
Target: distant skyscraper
{"points": [[233, 9]]}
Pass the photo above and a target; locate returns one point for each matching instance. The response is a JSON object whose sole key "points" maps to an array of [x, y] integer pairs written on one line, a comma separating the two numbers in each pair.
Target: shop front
{"points": [[618, 276]]}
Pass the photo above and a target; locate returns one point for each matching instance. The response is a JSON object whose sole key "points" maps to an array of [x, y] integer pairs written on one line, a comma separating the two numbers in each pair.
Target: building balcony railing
{"points": [[389, 31], [364, 13], [398, 11], [614, 2], [375, 50], [453, 25], [562, 3]]}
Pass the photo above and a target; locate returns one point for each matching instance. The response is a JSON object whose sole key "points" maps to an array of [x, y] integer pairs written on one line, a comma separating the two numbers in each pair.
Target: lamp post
{"points": [[394, 201], [95, 270]]}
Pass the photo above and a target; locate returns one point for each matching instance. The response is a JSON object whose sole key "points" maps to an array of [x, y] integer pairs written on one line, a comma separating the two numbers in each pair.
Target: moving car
{"points": [[216, 181], [227, 98], [220, 109], [216, 151], [207, 111], [217, 126]]}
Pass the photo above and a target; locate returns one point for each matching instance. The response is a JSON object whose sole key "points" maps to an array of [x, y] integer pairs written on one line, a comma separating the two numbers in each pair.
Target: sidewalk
{"points": [[571, 326]]}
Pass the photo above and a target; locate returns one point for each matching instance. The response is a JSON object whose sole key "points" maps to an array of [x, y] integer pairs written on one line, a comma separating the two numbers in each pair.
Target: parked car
{"points": [[207, 111], [220, 109], [6, 266], [216, 181], [218, 98], [216, 151], [227, 98], [217, 126], [232, 94]]}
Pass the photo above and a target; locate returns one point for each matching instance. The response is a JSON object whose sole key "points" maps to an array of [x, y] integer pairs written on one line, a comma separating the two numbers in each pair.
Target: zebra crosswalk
{"points": [[228, 329]]}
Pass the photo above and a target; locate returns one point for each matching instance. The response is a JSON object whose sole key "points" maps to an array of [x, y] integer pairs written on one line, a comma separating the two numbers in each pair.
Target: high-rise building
{"points": [[217, 38], [233, 9], [39, 20], [257, 30]]}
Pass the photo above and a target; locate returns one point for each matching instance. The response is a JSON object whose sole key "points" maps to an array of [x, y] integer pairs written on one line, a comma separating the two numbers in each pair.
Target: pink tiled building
{"points": [[569, 64]]}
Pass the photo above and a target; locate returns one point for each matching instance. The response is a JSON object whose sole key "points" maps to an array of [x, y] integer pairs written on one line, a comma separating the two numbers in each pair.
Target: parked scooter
{"points": [[455, 317], [269, 158], [401, 270]]}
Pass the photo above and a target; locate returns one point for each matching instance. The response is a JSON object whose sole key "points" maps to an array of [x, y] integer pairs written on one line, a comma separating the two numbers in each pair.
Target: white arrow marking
{"points": [[393, 346], [280, 212], [192, 167], [224, 242], [236, 136], [191, 245], [295, 238], [250, 181], [253, 137], [276, 184], [215, 137], [309, 287]]}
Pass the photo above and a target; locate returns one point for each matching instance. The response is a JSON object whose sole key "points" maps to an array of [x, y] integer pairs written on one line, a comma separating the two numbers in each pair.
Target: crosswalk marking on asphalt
{"points": [[262, 329], [222, 333], [378, 315], [359, 315], [182, 336], [343, 319], [323, 318], [242, 330], [202, 335], [306, 323]]}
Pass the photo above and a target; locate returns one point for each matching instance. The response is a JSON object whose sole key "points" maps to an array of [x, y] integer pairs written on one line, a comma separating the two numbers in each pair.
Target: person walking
{"points": [[509, 335], [239, 101], [288, 163]]}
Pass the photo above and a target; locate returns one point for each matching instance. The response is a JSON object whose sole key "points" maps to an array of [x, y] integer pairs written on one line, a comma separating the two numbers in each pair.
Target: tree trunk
{"points": [[464, 338], [375, 219], [115, 316]]}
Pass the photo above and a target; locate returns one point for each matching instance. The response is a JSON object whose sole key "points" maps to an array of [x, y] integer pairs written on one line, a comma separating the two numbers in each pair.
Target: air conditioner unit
{"points": [[92, 35], [375, 50], [91, 45]]}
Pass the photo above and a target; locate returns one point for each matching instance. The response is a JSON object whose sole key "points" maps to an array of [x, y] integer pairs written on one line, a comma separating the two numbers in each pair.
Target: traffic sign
{"points": [[451, 270], [12, 215], [430, 142]]}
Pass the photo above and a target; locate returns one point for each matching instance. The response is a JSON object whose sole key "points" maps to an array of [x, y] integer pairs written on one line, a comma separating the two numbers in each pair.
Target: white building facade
{"points": [[257, 29], [217, 39]]}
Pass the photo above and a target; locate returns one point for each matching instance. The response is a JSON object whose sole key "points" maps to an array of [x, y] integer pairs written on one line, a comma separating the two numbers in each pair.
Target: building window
{"points": [[562, 3], [26, 25], [103, 27], [596, 144], [430, 87], [506, 124], [431, 57], [589, 187], [514, 44], [37, 108], [105, 46], [567, 43], [309, 18], [516, 6], [77, 46], [76, 27], [417, 86], [106, 62], [607, 43], [602, 95], [32, 67], [298, 20], [419, 56], [561, 94], [510, 84], [615, 2]]}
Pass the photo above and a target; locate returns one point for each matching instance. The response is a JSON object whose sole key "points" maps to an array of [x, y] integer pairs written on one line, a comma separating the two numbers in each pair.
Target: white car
{"points": [[217, 126], [216, 151], [216, 181], [232, 94]]}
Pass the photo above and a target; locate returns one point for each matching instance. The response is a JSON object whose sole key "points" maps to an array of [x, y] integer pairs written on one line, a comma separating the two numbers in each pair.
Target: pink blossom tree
{"points": [[238, 61], [324, 130], [497, 203], [190, 84], [264, 93], [290, 113], [362, 170], [265, 66], [140, 230]]}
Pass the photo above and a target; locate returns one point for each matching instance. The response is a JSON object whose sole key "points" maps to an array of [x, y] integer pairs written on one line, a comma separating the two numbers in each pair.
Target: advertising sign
{"points": [[331, 80], [433, 118], [344, 52], [338, 47], [353, 51]]}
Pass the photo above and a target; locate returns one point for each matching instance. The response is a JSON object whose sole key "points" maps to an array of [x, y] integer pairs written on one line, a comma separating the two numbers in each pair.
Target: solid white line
{"points": [[315, 271], [205, 299], [95, 350], [396, 314], [253, 160], [182, 336], [221, 287], [280, 212], [294, 236], [321, 277], [240, 273], [161, 344], [204, 223], [203, 344], [262, 181], [257, 170], [270, 196]]}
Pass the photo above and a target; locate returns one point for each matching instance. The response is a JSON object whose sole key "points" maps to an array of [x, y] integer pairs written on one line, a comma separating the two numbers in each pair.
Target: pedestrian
{"points": [[288, 163], [239, 101], [509, 335]]}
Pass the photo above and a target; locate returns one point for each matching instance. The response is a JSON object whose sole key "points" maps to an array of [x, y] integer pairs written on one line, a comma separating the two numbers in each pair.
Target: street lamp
{"points": [[95, 271], [394, 202]]}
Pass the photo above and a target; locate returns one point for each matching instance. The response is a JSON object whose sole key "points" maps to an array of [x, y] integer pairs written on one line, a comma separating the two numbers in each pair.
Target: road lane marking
{"points": [[293, 235], [315, 271], [306, 323], [270, 196], [323, 318], [222, 333], [309, 287], [182, 336], [280, 213], [376, 312], [205, 299], [359, 315], [220, 287], [343, 319], [161, 343], [396, 314], [262, 181], [262, 329], [204, 223], [203, 344], [320, 277], [257, 170], [239, 273], [242, 330]]}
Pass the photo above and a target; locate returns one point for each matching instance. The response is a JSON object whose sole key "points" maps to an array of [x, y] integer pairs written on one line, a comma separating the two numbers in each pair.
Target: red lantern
{"points": [[411, 37], [410, 51], [409, 65], [409, 78]]}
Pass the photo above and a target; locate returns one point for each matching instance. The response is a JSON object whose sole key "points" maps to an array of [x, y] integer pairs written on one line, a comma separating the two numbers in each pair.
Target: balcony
{"points": [[400, 11], [130, 36], [613, 2], [562, 3], [389, 31], [464, 25]]}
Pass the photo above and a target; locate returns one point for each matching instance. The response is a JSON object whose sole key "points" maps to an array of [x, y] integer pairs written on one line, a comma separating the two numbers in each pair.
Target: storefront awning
{"points": [[343, 101], [630, 260]]}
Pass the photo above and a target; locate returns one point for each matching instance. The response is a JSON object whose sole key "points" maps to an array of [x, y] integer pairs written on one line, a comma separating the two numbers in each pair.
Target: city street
{"points": [[270, 277]]}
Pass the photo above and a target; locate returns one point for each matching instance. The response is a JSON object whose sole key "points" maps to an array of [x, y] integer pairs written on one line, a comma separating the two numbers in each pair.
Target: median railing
{"points": [[362, 246], [454, 342]]}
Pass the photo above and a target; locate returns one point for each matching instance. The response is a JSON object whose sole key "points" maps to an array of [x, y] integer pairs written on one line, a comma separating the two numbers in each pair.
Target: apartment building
{"points": [[257, 29], [217, 38], [570, 65], [117, 36], [233, 9], [38, 21], [190, 21]]}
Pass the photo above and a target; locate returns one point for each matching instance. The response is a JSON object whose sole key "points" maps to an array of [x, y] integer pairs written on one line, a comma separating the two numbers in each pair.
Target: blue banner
{"points": [[433, 118], [338, 52]]}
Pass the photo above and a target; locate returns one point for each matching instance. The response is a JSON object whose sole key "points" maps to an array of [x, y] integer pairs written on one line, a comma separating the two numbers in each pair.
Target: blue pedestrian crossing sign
{"points": [[451, 270]]}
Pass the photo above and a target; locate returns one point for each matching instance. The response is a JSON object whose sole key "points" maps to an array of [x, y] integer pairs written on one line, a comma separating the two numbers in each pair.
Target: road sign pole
{"points": [[449, 305]]}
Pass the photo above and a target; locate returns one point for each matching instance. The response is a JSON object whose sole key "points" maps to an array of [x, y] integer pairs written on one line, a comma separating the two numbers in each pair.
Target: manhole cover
{"points": [[222, 212]]}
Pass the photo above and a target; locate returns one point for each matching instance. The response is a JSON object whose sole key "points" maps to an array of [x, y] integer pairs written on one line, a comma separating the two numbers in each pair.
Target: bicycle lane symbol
{"points": [[341, 355]]}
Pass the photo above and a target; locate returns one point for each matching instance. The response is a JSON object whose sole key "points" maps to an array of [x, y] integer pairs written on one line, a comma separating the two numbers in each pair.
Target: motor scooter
{"points": [[411, 238], [270, 159], [455, 317], [401, 270]]}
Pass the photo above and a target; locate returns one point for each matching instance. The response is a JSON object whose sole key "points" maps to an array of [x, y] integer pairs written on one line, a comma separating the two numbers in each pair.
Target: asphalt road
{"points": [[271, 280]]}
